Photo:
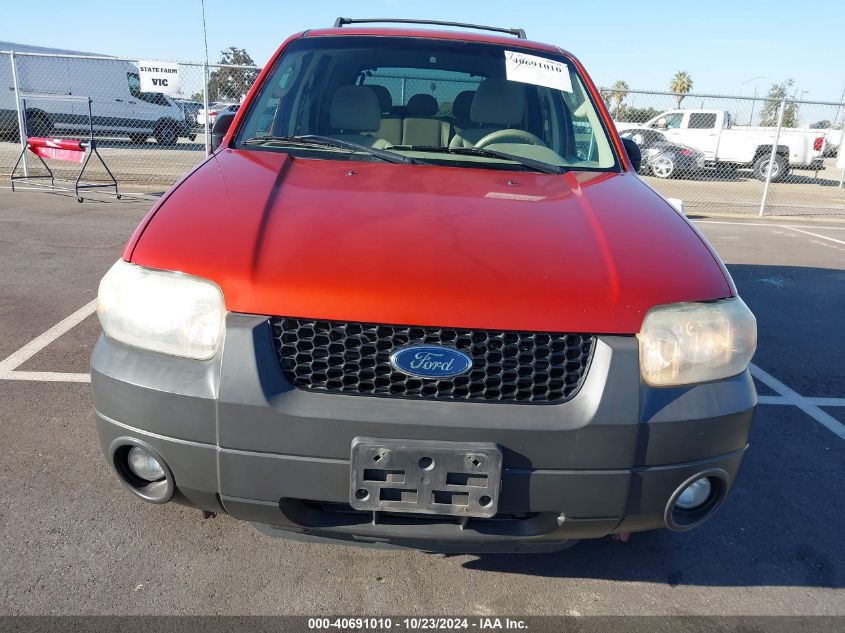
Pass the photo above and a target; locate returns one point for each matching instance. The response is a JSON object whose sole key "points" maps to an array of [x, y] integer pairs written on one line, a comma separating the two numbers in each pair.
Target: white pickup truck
{"points": [[713, 134]]}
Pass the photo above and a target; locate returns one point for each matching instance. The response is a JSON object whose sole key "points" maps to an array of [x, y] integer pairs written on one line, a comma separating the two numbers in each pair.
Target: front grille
{"points": [[354, 358]]}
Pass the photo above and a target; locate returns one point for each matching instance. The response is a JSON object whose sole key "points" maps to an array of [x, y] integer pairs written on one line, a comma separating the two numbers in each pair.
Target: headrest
{"points": [[385, 101], [355, 109], [462, 104], [498, 102], [422, 105]]}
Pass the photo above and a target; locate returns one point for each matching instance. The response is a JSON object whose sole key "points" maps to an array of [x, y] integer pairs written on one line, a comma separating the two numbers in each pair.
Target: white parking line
{"points": [[823, 237], [826, 402], [18, 358], [45, 376], [819, 402], [771, 224], [789, 396]]}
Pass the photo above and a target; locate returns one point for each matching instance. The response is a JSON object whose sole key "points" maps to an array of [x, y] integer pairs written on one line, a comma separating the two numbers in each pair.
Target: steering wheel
{"points": [[520, 136]]}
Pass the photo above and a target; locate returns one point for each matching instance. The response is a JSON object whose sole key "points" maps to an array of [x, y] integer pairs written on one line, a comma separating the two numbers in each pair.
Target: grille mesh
{"points": [[354, 358]]}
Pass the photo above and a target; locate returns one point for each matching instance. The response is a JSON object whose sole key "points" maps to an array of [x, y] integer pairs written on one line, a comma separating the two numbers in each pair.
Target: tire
{"points": [[138, 138], [37, 124], [779, 168], [663, 166], [166, 134]]}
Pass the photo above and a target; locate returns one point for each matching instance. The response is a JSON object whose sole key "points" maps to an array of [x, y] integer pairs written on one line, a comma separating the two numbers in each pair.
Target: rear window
{"points": [[702, 120], [403, 83]]}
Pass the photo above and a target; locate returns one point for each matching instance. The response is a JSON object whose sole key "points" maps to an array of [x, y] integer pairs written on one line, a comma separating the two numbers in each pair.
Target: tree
{"points": [[681, 84], [627, 114], [230, 84], [619, 91], [771, 107]]}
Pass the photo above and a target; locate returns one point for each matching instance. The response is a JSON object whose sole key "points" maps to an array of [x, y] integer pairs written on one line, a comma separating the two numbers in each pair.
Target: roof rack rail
{"points": [[520, 33]]}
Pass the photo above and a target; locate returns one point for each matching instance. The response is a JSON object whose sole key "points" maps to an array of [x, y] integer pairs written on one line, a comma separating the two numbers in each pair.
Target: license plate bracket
{"points": [[429, 477]]}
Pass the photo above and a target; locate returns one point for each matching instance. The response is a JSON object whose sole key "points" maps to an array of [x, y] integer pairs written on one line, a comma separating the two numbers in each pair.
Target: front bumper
{"points": [[238, 438], [689, 164]]}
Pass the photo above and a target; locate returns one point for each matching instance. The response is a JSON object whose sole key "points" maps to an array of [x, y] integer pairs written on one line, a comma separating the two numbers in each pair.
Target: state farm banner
{"points": [[57, 148], [159, 77]]}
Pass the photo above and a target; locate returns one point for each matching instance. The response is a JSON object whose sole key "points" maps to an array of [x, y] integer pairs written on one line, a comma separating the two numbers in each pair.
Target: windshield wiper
{"points": [[315, 140], [536, 165]]}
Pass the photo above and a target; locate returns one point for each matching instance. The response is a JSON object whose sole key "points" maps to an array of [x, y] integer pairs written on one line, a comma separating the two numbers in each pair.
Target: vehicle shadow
{"points": [[708, 175], [796, 177], [98, 196], [781, 526], [721, 175], [808, 178], [776, 529], [182, 146]]}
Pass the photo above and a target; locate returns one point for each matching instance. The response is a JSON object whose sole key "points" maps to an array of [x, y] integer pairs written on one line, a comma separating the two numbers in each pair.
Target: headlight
{"points": [[686, 343], [165, 312]]}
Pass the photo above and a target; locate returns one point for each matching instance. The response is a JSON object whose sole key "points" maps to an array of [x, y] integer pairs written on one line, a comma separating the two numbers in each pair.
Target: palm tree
{"points": [[681, 84], [618, 92]]}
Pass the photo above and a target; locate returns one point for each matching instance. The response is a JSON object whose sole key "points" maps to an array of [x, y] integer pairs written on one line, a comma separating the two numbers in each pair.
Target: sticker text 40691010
{"points": [[531, 69]]}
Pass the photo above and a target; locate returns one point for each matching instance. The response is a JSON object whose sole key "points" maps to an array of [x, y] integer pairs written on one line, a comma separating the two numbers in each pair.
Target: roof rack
{"points": [[520, 33]]}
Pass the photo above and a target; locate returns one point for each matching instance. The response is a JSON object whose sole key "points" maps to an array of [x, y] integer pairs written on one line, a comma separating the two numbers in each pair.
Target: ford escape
{"points": [[418, 296]]}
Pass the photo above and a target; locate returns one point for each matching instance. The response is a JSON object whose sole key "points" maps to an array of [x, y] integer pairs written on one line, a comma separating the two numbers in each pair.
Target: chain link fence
{"points": [[716, 153], [736, 154], [147, 139]]}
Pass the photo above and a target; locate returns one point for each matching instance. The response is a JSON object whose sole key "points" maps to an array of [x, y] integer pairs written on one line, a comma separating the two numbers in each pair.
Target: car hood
{"points": [[428, 245]]}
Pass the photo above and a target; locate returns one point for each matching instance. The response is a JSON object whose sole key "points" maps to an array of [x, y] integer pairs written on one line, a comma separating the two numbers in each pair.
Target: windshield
{"points": [[433, 101]]}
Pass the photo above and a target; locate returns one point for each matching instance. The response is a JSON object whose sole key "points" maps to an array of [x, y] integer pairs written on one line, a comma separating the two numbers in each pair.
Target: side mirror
{"points": [[633, 151], [221, 127]]}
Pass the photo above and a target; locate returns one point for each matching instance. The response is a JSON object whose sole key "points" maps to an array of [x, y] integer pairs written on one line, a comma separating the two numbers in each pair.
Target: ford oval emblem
{"points": [[430, 361]]}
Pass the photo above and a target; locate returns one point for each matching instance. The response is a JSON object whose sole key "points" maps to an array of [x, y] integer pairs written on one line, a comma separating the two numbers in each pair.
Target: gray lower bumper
{"points": [[239, 439]]}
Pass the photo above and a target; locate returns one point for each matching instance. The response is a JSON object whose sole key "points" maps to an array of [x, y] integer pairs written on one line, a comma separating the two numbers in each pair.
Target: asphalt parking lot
{"points": [[75, 542]]}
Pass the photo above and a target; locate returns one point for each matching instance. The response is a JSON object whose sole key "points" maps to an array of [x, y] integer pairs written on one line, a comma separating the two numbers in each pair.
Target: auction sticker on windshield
{"points": [[530, 69]]}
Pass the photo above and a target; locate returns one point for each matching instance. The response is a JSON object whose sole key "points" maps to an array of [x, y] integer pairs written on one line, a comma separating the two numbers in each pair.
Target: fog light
{"points": [[694, 495], [144, 465]]}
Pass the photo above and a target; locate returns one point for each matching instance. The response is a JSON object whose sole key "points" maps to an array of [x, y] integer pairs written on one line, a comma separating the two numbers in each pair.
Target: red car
{"points": [[419, 296]]}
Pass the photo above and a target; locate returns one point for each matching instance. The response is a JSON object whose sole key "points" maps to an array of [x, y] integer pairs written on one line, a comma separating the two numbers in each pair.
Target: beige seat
{"points": [[461, 107], [498, 105], [420, 127], [391, 125], [354, 115]]}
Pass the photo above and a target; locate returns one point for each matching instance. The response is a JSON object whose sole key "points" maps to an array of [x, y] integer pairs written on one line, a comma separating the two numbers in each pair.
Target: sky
{"points": [[720, 44]]}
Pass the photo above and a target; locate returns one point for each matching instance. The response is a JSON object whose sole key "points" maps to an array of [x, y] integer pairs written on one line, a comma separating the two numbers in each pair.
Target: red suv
{"points": [[419, 296]]}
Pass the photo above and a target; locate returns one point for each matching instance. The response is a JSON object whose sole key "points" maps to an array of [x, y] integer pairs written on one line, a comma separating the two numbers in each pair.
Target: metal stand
{"points": [[26, 176], [90, 145]]}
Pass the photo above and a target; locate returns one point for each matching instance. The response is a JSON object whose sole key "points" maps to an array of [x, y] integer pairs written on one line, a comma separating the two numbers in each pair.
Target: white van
{"points": [[118, 106]]}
